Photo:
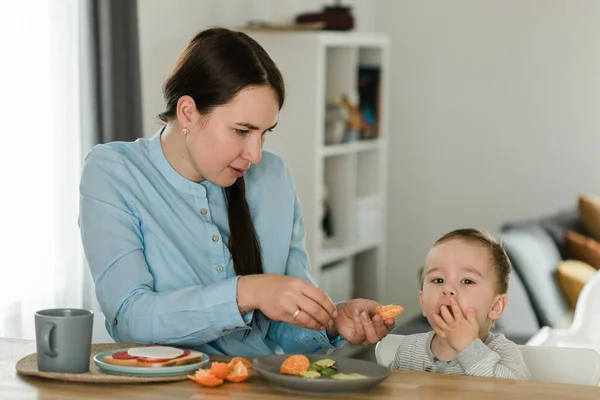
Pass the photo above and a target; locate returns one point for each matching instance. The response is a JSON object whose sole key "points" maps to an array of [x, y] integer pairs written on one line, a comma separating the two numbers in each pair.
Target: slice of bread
{"points": [[122, 358], [191, 358], [132, 362]]}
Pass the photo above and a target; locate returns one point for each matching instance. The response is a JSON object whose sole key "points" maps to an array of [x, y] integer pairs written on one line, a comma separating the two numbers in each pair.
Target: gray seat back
{"points": [[535, 258], [519, 319]]}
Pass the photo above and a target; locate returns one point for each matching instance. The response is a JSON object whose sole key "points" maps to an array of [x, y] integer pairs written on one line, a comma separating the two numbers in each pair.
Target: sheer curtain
{"points": [[41, 261]]}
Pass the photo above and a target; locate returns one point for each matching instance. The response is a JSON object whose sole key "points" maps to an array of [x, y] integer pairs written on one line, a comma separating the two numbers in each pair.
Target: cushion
{"points": [[583, 248], [572, 276], [534, 257], [518, 319], [555, 225], [589, 212]]}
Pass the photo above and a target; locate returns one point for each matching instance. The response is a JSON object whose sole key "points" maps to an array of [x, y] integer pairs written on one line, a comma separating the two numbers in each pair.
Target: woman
{"points": [[195, 237]]}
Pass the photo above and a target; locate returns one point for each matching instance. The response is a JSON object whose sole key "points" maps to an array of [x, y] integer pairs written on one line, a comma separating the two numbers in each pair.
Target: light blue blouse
{"points": [[156, 246]]}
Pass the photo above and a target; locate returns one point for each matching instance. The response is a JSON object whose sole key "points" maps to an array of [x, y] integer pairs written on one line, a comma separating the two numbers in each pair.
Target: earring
{"points": [[185, 131]]}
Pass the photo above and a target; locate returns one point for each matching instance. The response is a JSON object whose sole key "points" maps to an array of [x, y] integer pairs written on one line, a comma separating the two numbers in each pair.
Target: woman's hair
{"points": [[498, 256], [216, 65]]}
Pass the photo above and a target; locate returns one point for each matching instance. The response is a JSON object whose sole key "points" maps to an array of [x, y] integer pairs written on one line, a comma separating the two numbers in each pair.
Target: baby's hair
{"points": [[498, 254]]}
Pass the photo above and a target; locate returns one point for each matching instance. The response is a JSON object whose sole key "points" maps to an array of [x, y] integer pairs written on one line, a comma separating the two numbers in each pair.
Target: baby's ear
{"points": [[421, 301], [500, 303]]}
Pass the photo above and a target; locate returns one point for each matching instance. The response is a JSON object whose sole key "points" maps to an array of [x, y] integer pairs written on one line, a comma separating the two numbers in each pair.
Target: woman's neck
{"points": [[172, 141]]}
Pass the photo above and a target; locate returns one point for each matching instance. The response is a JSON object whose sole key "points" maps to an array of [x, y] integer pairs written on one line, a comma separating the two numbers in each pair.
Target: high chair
{"points": [[585, 329], [385, 350], [545, 363], [562, 364]]}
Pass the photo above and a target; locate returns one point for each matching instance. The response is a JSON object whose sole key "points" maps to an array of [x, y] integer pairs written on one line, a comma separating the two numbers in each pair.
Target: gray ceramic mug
{"points": [[64, 339]]}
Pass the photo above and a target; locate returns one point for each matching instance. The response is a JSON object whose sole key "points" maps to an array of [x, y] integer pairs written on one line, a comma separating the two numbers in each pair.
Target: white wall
{"points": [[494, 118], [166, 27]]}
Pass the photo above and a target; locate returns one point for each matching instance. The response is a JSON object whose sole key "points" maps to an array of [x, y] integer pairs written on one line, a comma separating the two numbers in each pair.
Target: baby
{"points": [[463, 292]]}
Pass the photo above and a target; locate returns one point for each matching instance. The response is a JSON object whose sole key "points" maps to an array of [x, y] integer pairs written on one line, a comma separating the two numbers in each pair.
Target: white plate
{"points": [[147, 371]]}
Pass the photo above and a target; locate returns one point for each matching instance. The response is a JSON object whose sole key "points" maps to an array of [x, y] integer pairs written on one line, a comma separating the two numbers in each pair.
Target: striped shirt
{"points": [[498, 357]]}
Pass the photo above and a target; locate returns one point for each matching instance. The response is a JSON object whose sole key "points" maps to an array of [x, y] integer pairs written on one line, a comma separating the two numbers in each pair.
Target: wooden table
{"points": [[403, 385]]}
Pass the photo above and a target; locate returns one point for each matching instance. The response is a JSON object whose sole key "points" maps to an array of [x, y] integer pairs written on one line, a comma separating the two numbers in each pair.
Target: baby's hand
{"points": [[459, 331]]}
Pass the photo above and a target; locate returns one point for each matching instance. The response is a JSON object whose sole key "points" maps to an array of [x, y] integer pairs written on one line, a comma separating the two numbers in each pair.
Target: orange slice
{"points": [[205, 378], [235, 360], [389, 311], [295, 364], [239, 373], [219, 370]]}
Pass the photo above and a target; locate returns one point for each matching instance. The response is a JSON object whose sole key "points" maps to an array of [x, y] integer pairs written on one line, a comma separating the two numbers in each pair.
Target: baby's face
{"points": [[461, 269]]}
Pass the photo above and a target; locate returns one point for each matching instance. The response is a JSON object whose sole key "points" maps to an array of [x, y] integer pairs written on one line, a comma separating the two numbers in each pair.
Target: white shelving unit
{"points": [[315, 65]]}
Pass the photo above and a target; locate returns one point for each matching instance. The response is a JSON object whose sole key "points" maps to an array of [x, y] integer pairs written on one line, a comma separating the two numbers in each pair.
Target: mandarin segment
{"points": [[219, 369], [389, 311], [205, 378], [244, 361], [295, 364], [239, 373]]}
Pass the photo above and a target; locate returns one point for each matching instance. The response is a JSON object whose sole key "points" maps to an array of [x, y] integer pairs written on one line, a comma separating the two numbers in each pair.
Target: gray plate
{"points": [[268, 368]]}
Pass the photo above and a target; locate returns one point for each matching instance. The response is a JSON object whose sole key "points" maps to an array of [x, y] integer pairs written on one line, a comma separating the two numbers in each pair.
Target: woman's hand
{"points": [[357, 322], [286, 298]]}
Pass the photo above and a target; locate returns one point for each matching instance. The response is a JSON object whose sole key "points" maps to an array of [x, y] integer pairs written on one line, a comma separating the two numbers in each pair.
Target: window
{"points": [[41, 261]]}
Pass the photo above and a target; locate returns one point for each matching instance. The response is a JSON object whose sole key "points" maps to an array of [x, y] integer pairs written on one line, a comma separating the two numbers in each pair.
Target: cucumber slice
{"points": [[310, 374], [347, 377], [325, 363]]}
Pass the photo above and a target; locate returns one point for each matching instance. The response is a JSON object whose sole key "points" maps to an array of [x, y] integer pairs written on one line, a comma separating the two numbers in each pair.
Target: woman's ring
{"points": [[296, 313]]}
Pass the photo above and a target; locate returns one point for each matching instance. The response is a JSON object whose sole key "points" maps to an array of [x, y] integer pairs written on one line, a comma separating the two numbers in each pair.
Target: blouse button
{"points": [[220, 268], [215, 238], [203, 211]]}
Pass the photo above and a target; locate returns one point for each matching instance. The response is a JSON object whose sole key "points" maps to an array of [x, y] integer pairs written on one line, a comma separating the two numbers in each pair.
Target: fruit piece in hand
{"points": [[389, 311]]}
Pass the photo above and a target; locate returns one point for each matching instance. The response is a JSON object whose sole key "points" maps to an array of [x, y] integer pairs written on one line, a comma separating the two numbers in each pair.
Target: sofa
{"points": [[535, 248]]}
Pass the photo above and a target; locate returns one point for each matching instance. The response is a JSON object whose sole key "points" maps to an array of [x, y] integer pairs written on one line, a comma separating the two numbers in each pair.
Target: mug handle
{"points": [[45, 333]]}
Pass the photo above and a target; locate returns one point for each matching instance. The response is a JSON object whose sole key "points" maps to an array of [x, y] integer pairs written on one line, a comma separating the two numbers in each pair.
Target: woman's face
{"points": [[225, 143]]}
